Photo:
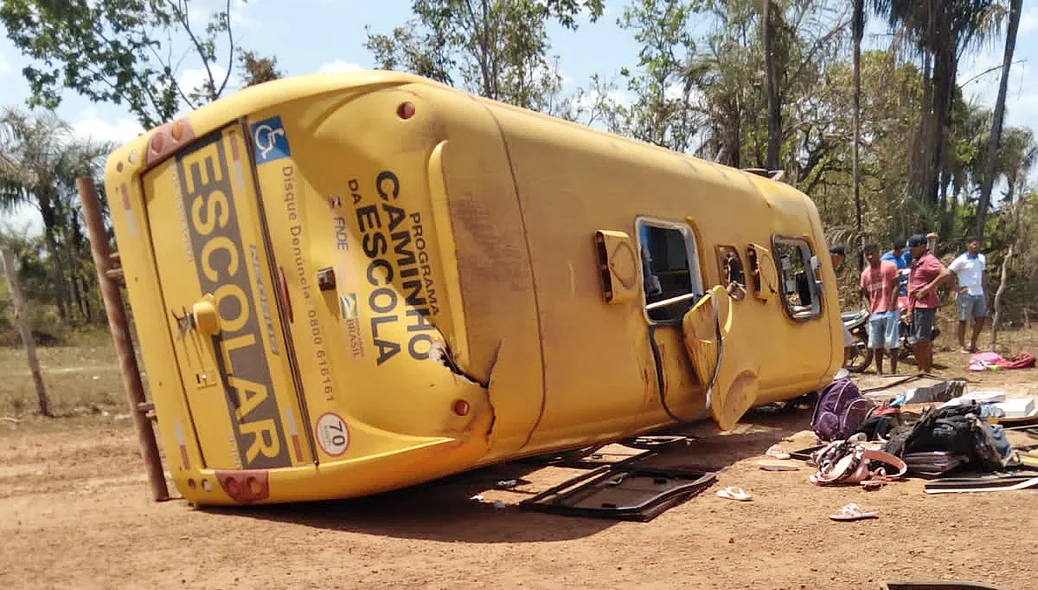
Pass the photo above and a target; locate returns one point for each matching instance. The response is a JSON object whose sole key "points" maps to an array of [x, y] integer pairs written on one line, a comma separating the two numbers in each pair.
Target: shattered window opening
{"points": [[800, 290], [669, 267]]}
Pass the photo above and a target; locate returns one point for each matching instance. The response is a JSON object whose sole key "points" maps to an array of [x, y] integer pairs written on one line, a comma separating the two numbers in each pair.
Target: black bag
{"points": [[957, 430]]}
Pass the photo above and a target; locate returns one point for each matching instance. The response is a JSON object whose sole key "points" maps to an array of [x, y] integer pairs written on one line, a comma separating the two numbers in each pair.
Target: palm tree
{"points": [[942, 31], [988, 178], [879, 7], [42, 157]]}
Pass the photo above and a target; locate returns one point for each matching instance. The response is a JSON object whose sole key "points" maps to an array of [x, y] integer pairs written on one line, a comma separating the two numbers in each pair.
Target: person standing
{"points": [[879, 284], [901, 259], [897, 255], [926, 275], [970, 267]]}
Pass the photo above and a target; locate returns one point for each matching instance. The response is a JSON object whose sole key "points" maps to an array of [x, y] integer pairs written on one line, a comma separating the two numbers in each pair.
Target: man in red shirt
{"points": [[926, 275], [879, 287]]}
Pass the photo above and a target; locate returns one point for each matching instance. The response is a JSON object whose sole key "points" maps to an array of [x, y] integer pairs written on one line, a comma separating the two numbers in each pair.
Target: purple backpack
{"points": [[841, 409]]}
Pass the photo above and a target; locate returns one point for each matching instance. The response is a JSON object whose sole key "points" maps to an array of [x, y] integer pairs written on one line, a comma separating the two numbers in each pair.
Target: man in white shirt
{"points": [[972, 301]]}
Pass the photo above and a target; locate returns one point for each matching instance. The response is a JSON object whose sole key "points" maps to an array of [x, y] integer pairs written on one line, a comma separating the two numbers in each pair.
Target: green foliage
{"points": [[662, 112], [494, 48], [256, 69], [118, 51], [44, 158]]}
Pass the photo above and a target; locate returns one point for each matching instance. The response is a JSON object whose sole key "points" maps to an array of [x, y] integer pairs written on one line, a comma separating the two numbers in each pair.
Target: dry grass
{"points": [[81, 378], [84, 385]]}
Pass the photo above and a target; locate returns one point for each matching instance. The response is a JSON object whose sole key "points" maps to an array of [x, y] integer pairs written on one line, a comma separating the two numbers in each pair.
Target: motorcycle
{"points": [[905, 328], [860, 355]]}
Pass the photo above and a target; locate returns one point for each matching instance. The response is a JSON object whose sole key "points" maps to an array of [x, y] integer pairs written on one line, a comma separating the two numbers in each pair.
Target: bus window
{"points": [[799, 289], [669, 268], [733, 277]]}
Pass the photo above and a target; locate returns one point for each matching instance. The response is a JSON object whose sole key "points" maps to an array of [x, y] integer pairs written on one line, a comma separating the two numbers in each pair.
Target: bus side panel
{"points": [[601, 379]]}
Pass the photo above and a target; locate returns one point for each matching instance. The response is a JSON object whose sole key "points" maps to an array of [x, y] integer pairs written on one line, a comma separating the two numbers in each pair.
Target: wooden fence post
{"points": [[23, 327], [120, 329]]}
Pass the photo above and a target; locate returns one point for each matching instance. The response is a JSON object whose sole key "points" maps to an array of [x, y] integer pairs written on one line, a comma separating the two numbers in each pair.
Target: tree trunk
{"points": [[23, 327], [997, 305], [919, 155], [858, 25], [774, 108], [937, 144], [50, 225], [988, 179]]}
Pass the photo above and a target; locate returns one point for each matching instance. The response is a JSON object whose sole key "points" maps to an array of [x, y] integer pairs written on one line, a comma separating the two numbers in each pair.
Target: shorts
{"points": [[922, 325], [971, 307], [848, 340], [883, 330]]}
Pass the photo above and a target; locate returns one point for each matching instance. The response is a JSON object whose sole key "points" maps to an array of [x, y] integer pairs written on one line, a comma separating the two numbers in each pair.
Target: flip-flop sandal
{"points": [[852, 512], [776, 451], [871, 485], [734, 493]]}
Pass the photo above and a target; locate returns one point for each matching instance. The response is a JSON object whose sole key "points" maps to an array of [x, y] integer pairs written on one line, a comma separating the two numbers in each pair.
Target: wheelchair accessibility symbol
{"points": [[270, 141]]}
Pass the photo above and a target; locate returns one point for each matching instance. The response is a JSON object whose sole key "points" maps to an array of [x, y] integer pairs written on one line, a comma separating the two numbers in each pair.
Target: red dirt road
{"points": [[74, 513]]}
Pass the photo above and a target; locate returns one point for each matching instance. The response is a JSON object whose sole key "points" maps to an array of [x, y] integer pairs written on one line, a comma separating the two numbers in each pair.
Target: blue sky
{"points": [[318, 35]]}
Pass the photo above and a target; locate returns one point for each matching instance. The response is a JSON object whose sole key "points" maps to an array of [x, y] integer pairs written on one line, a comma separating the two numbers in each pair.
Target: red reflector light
{"points": [[245, 487], [405, 110], [461, 407]]}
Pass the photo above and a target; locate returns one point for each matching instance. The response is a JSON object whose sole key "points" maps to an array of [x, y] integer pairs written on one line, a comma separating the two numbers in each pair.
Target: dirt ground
{"points": [[75, 513]]}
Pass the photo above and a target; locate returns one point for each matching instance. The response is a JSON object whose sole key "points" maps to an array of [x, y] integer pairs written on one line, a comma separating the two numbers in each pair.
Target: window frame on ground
{"points": [[672, 314], [791, 298]]}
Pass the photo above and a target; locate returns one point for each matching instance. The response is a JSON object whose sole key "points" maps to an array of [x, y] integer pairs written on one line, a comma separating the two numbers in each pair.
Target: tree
{"points": [[768, 27], [120, 51], [43, 160], [942, 31], [482, 47], [988, 179], [730, 77], [257, 70], [662, 112]]}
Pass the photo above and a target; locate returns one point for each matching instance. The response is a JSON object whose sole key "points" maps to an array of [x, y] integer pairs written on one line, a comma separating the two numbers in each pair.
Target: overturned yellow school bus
{"points": [[349, 283]]}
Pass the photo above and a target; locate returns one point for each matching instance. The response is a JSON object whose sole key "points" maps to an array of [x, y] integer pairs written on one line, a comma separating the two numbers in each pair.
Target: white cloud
{"points": [[194, 79], [89, 125], [589, 100], [339, 66], [203, 11], [5, 66]]}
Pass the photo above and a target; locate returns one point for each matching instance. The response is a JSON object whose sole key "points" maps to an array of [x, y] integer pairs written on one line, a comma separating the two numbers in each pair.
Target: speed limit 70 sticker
{"points": [[332, 434]]}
